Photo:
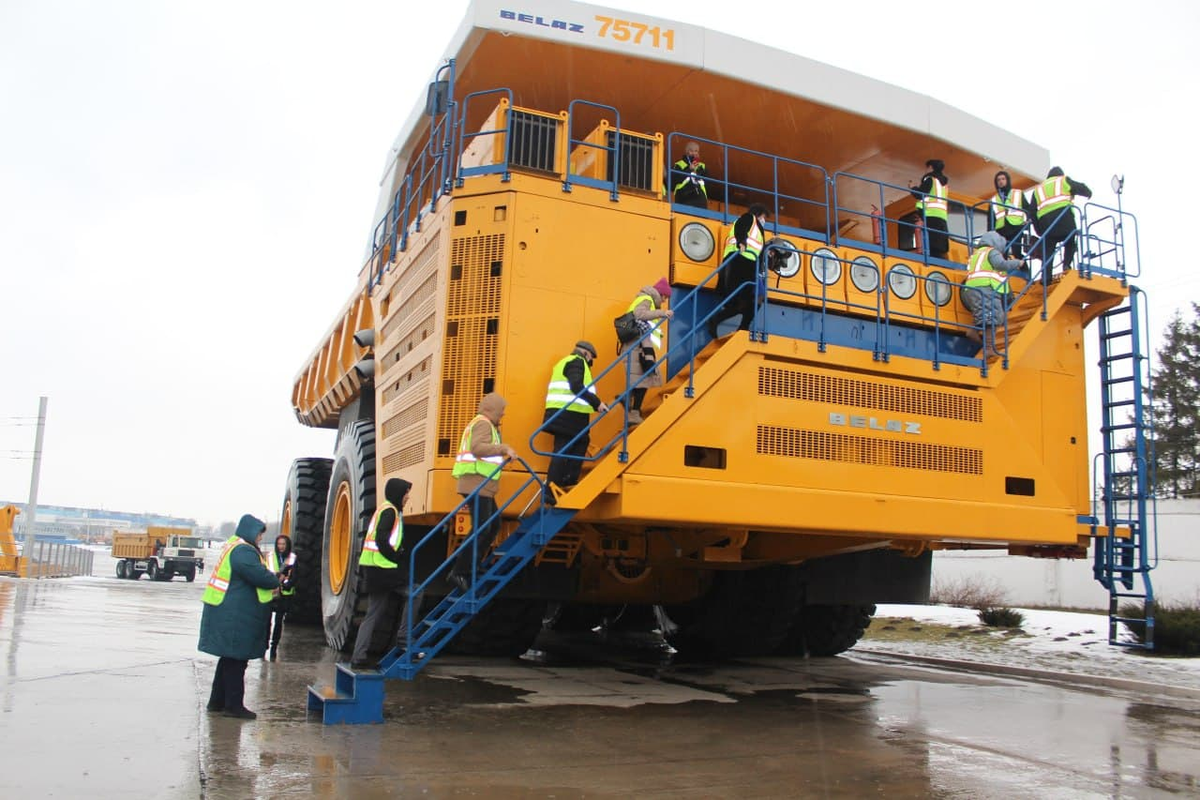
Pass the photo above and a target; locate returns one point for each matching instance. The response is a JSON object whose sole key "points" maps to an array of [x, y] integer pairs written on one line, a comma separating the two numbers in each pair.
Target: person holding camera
{"points": [[647, 309], [282, 563], [687, 178]]}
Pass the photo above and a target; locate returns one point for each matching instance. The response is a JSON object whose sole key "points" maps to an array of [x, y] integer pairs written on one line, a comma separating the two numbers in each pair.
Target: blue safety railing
{"points": [[1105, 246], [612, 150], [464, 138], [779, 200]]}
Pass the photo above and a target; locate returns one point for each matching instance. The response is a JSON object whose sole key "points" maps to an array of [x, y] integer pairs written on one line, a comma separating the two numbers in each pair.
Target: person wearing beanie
{"points": [[1050, 204], [384, 565], [480, 460], [648, 308], [1006, 214], [233, 625], [933, 204], [987, 288], [736, 282], [570, 401]]}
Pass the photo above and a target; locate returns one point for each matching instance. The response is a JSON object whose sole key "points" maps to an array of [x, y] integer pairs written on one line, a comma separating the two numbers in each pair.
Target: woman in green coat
{"points": [[236, 614]]}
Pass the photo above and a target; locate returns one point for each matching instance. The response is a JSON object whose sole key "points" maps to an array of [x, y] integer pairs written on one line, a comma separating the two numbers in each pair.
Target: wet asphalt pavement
{"points": [[103, 693]]}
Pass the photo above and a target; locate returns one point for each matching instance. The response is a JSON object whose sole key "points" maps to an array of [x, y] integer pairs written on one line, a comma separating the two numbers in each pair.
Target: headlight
{"points": [[696, 241], [783, 258], [937, 289], [825, 266], [864, 274], [902, 281]]}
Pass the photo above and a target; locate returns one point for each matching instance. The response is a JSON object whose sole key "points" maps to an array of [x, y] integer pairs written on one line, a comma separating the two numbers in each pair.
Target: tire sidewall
{"points": [[354, 465]]}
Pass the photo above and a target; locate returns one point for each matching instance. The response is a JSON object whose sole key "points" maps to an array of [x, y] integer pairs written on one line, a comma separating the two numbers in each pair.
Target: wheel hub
{"points": [[340, 538]]}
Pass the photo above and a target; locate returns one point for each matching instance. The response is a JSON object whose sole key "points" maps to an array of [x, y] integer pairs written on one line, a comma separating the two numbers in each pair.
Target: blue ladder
{"points": [[1122, 565], [357, 697]]}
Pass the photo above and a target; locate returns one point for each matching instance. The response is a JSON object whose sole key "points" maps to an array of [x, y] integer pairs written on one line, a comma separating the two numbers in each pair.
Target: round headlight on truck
{"points": [[902, 281], [696, 241], [825, 266], [864, 274]]}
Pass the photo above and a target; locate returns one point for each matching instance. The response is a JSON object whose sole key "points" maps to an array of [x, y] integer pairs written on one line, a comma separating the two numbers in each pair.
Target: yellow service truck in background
{"points": [[158, 553]]}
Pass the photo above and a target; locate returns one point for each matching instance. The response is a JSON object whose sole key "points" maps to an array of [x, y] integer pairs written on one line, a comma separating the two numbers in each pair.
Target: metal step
{"points": [[355, 698]]}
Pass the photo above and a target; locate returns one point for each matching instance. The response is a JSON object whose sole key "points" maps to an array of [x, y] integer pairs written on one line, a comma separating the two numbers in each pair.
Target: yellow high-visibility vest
{"points": [[558, 393], [682, 165], [370, 556], [937, 203], [1009, 213], [467, 464], [218, 581], [754, 242], [1052, 194], [656, 331], [981, 274], [274, 565]]}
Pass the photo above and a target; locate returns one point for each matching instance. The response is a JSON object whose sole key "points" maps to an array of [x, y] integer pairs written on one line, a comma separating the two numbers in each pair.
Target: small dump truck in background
{"points": [[160, 553]]}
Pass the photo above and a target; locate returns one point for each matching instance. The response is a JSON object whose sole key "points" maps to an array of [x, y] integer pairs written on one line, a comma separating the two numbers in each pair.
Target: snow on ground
{"points": [[1060, 641]]}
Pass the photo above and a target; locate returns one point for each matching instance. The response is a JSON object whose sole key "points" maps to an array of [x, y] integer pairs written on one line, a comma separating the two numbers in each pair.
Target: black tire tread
{"points": [[504, 627], [342, 624], [308, 489], [831, 629], [745, 613]]}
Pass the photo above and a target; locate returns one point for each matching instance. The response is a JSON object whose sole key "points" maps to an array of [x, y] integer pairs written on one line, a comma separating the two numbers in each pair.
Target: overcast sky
{"points": [[186, 189]]}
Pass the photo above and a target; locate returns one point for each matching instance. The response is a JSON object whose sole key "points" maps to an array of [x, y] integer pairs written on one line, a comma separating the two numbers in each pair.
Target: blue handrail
{"points": [[614, 151], [774, 191], [463, 136]]}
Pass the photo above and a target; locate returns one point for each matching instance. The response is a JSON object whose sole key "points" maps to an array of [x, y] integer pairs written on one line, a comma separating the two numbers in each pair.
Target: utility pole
{"points": [[31, 506]]}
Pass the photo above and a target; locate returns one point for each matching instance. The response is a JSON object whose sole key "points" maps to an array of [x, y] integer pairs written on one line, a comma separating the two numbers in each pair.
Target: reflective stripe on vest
{"points": [[980, 274], [1052, 194], [936, 204], [465, 463], [682, 165], [656, 331], [218, 581], [273, 565], [1008, 212], [754, 242], [370, 556], [558, 393]]}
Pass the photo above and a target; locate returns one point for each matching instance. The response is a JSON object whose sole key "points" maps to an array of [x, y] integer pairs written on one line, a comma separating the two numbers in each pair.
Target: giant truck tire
{"points": [[826, 630], [303, 519], [505, 627], [348, 510], [190, 575], [745, 613]]}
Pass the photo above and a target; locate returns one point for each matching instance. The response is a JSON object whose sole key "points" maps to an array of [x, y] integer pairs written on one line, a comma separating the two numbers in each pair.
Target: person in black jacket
{"points": [[687, 178], [736, 281], [1054, 218], [933, 202], [570, 402], [1006, 212], [380, 581]]}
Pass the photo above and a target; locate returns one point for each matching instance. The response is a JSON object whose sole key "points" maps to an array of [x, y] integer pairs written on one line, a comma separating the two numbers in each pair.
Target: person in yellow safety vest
{"points": [[1054, 218], [281, 560], [1006, 212], [986, 287], [570, 402], [933, 203], [736, 281], [233, 626], [687, 178], [648, 308], [383, 564], [480, 460]]}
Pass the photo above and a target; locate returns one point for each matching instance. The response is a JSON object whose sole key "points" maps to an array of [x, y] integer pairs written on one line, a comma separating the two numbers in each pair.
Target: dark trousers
{"points": [[1061, 231], [1012, 235], [483, 510], [938, 232], [565, 471], [377, 603], [279, 610], [736, 283], [229, 685]]}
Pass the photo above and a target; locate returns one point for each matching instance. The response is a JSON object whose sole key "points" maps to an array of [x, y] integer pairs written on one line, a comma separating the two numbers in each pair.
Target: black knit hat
{"points": [[936, 164], [395, 490]]}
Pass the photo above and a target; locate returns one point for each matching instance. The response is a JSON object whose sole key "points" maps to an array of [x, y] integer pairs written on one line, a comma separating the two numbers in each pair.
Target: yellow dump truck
{"points": [[791, 471], [159, 553]]}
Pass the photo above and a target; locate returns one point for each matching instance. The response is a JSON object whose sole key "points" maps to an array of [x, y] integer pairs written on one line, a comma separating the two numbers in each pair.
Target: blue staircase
{"points": [[1122, 563], [356, 697]]}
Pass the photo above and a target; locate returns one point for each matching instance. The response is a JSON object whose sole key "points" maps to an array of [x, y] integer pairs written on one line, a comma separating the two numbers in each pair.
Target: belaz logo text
{"points": [[530, 19], [871, 423]]}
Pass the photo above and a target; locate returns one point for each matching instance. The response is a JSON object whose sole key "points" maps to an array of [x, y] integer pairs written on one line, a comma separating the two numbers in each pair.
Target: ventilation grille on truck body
{"points": [[774, 440], [637, 162], [836, 391], [533, 140], [472, 333]]}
